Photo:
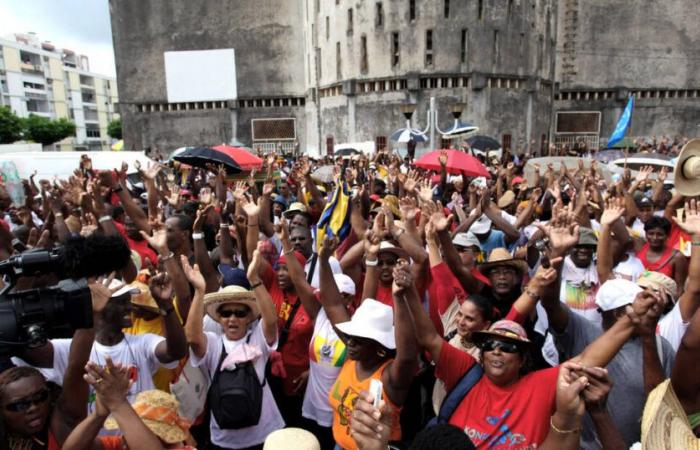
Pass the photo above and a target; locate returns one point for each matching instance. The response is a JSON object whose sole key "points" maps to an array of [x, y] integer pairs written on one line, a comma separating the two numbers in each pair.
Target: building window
{"points": [[481, 9], [540, 54], [329, 145], [465, 46], [379, 21], [380, 143], [412, 9], [505, 141], [395, 49], [429, 48], [446, 8], [338, 65], [496, 48], [328, 28], [363, 54], [510, 7], [350, 21]]}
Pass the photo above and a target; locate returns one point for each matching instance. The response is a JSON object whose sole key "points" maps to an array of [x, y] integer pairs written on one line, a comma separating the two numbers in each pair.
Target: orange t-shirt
{"points": [[343, 396]]}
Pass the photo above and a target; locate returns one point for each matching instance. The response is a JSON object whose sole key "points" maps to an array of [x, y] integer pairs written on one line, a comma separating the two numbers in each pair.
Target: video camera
{"points": [[30, 317]]}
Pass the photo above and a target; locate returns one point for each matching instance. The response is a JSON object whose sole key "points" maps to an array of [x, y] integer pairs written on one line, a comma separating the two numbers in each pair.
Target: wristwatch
{"points": [[164, 312]]}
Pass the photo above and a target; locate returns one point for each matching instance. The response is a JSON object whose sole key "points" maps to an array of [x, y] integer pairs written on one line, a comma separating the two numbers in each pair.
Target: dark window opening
{"points": [[350, 21], [395, 49], [496, 48], [446, 8], [329, 145], [506, 141], [463, 52], [412, 9], [338, 65], [363, 54], [429, 48], [379, 21], [481, 9], [380, 143]]}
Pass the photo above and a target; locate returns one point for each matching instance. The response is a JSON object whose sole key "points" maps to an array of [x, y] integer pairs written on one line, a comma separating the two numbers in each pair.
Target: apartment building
{"points": [[39, 78]]}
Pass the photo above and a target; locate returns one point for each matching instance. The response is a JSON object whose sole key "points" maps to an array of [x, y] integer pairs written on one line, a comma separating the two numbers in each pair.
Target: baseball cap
{"points": [[344, 283], [587, 237], [616, 293], [504, 329]]}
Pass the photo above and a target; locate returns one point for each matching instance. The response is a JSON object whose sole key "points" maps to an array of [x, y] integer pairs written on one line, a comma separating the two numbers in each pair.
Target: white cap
{"points": [[456, 178], [615, 293], [479, 182], [124, 289], [481, 226], [466, 240], [344, 283]]}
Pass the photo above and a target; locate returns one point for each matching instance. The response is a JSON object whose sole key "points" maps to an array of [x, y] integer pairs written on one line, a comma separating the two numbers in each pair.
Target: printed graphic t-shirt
{"points": [[512, 417]]}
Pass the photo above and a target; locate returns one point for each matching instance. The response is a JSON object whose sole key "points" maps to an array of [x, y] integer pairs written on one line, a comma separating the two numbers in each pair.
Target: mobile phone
{"points": [[375, 388]]}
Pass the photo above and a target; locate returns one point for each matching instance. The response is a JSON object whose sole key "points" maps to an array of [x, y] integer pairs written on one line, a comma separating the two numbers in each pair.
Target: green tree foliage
{"points": [[46, 131], [10, 126], [114, 129]]}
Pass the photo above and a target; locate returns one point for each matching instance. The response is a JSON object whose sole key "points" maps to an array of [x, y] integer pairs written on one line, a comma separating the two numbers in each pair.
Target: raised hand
{"points": [[570, 385], [425, 191], [411, 181], [101, 292], [691, 223], [239, 191], [643, 174], [151, 173], [407, 206], [614, 209], [111, 382], [372, 242], [645, 310], [158, 241], [161, 287], [431, 233], [562, 231], [439, 220], [255, 264], [282, 229], [370, 427], [663, 174], [544, 277], [205, 196], [194, 276], [403, 279], [596, 393], [328, 246], [251, 209]]}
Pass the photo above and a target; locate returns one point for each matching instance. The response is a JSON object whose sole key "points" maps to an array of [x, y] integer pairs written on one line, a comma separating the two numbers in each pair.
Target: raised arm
{"points": [[174, 346], [262, 296], [297, 275], [181, 287], [252, 234], [535, 289], [499, 222], [266, 224], [134, 211], [690, 299], [201, 255], [401, 371], [614, 210], [371, 243], [329, 293], [194, 329]]}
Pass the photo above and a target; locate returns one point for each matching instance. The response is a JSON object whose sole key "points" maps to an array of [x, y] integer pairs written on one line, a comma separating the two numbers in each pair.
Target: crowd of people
{"points": [[381, 304]]}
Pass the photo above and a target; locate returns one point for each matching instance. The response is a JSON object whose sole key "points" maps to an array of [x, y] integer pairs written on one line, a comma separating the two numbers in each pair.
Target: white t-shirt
{"points": [[138, 351], [511, 219], [672, 327], [578, 289], [315, 281], [629, 269], [270, 417], [327, 354]]}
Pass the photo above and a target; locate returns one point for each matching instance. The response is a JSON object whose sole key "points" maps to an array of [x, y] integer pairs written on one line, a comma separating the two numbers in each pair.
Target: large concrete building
{"points": [[313, 74], [39, 78]]}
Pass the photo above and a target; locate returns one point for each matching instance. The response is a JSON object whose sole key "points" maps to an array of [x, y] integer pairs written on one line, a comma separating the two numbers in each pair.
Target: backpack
{"points": [[458, 392], [235, 396]]}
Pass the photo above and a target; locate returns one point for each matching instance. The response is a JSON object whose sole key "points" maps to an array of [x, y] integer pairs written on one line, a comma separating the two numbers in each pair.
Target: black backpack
{"points": [[235, 396]]}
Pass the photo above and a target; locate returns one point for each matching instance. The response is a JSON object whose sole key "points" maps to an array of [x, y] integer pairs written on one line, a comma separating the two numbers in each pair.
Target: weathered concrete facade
{"points": [[343, 68], [609, 49]]}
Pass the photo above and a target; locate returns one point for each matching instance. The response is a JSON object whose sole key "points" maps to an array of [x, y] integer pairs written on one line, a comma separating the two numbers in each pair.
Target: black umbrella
{"points": [[483, 143], [346, 152], [202, 156]]}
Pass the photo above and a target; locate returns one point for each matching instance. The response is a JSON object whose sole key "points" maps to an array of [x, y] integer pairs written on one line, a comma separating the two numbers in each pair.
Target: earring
{"points": [[381, 353]]}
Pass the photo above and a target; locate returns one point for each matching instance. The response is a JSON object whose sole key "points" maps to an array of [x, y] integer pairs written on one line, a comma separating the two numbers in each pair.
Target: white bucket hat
{"points": [[466, 240], [372, 320], [481, 226]]}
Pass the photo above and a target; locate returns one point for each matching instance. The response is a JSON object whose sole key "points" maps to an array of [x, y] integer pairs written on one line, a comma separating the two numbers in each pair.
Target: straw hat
{"points": [[159, 411], [143, 299], [291, 439], [657, 281], [230, 294], [392, 202], [665, 425], [506, 199], [685, 185], [501, 257]]}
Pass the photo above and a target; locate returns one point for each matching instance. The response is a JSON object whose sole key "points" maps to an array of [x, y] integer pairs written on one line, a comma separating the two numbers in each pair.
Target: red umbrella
{"points": [[245, 159], [458, 162]]}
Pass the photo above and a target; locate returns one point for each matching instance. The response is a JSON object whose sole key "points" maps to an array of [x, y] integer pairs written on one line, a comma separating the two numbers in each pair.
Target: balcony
{"points": [[90, 115], [92, 132], [88, 99]]}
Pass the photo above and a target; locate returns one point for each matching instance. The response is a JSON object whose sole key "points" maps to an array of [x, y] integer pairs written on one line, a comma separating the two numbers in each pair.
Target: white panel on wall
{"points": [[200, 75]]}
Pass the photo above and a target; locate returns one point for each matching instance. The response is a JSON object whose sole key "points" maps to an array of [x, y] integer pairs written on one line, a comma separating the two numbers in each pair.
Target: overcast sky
{"points": [[80, 25]]}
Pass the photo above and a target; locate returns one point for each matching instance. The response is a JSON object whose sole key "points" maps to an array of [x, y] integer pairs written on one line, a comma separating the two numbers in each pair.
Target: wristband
{"points": [[223, 225], [197, 236], [105, 219], [531, 294], [164, 312], [255, 286], [57, 215], [399, 233], [371, 263], [118, 189], [167, 257]]}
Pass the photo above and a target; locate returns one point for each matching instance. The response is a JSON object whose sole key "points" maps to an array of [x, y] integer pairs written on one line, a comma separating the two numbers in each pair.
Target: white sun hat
{"points": [[372, 320]]}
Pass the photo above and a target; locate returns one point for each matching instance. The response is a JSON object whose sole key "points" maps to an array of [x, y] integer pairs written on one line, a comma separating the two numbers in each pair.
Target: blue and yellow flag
{"points": [[335, 218]]}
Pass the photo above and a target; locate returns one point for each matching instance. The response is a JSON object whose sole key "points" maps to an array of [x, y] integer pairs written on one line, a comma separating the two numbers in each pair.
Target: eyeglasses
{"points": [[505, 347], [240, 313], [34, 399]]}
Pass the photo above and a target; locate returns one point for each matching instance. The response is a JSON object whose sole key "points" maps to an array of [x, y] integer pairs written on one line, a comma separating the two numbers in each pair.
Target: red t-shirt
{"points": [[295, 353], [512, 417], [140, 247]]}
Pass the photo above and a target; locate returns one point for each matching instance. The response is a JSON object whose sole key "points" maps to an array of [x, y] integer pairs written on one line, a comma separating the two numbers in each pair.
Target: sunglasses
{"points": [[240, 313], [34, 399], [505, 347]]}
